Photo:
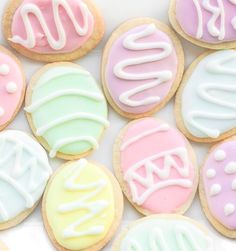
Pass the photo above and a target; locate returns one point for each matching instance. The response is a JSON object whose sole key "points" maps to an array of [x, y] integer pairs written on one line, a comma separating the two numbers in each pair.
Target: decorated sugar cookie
{"points": [[218, 187], [142, 66], [82, 206], [206, 23], [66, 110], [24, 172], [206, 101], [156, 167], [12, 87], [53, 30], [164, 233]]}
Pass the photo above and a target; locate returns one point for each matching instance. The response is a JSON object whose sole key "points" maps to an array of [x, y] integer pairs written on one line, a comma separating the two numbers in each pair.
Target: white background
{"points": [[30, 235]]}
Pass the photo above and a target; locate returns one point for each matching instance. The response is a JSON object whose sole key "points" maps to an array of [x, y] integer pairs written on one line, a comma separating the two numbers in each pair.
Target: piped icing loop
{"points": [[219, 189], [68, 110], [208, 96], [212, 21], [84, 212], [24, 171], [165, 234], [141, 67], [157, 171], [12, 87], [53, 26]]}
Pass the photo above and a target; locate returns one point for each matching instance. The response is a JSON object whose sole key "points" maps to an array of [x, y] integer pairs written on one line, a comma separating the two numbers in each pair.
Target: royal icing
{"points": [[165, 234], [141, 68], [208, 98], [68, 110], [212, 21], [52, 26], [157, 171], [220, 188], [24, 171], [84, 212], [12, 87]]}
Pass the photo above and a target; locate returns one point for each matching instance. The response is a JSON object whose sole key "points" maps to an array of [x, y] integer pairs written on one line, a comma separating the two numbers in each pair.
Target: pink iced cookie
{"points": [[218, 187], [12, 87], [53, 28], [142, 67], [155, 165], [208, 23]]}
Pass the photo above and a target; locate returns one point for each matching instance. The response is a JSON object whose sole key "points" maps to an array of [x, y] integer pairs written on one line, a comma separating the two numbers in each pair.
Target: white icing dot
{"points": [[230, 168], [211, 173], [11, 87], [215, 189], [229, 209], [1, 111], [220, 155], [233, 185], [4, 69]]}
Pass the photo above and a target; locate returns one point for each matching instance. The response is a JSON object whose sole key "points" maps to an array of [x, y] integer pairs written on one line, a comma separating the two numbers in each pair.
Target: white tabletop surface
{"points": [[30, 235]]}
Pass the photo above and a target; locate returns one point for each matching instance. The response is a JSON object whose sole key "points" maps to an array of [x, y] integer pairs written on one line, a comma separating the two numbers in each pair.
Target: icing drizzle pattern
{"points": [[158, 77], [77, 14], [153, 174], [211, 106], [71, 116]]}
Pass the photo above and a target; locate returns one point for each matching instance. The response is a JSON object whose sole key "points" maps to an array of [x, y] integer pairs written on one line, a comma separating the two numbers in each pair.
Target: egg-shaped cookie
{"points": [[165, 233], [24, 172], [206, 23], [218, 187], [205, 107], [156, 167], [66, 110], [12, 87], [142, 66], [82, 206], [53, 30]]}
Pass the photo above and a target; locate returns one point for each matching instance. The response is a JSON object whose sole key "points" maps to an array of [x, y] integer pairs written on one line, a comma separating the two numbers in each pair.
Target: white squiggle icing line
{"points": [[200, 19], [64, 142], [161, 128], [32, 9], [131, 176], [69, 92], [94, 208], [217, 12], [70, 117], [159, 76]]}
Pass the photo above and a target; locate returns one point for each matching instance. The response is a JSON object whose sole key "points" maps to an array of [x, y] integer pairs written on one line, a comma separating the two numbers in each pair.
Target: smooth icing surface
{"points": [[68, 110], [165, 234], [11, 87], [24, 171], [52, 26], [160, 175], [211, 21], [209, 96], [141, 68], [80, 206], [220, 189]]}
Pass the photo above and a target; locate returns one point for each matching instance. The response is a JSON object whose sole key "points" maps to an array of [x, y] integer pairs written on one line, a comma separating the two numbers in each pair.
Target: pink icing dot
{"points": [[227, 196], [169, 199]]}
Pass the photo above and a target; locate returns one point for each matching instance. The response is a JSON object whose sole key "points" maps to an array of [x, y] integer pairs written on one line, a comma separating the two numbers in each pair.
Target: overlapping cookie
{"points": [[206, 23], [66, 110], [164, 233], [53, 30], [155, 166], [82, 206], [142, 67], [12, 87], [206, 100], [24, 172], [218, 187]]}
